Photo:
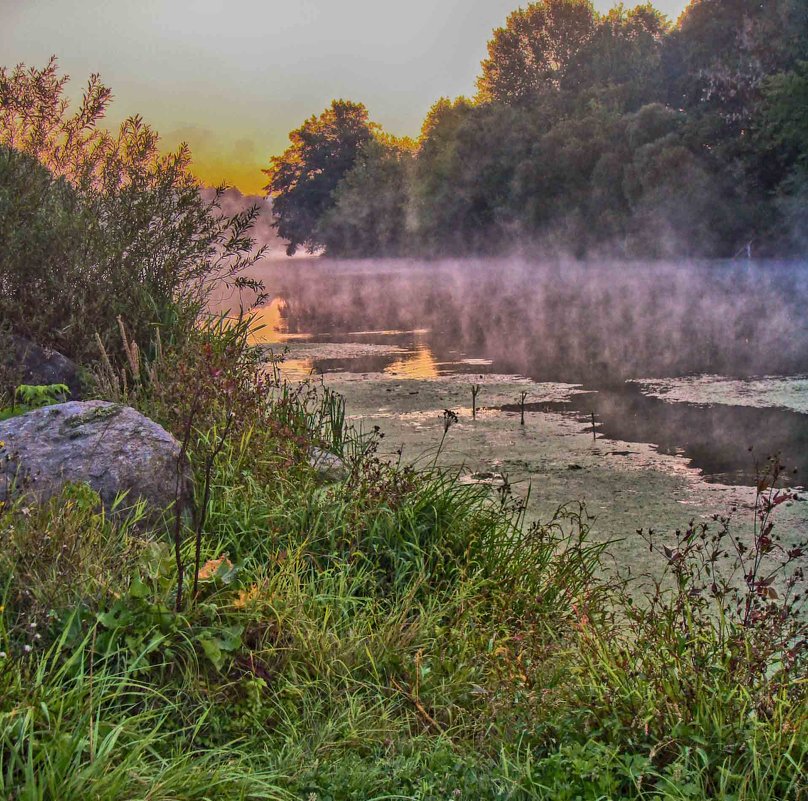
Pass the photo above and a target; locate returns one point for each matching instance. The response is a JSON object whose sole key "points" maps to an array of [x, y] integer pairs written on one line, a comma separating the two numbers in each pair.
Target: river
{"points": [[646, 384]]}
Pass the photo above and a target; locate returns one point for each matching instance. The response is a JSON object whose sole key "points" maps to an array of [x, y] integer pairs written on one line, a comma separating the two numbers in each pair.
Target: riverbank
{"points": [[382, 629], [554, 458]]}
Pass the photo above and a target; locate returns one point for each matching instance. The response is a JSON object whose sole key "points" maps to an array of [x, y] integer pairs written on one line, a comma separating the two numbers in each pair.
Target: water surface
{"points": [[702, 360]]}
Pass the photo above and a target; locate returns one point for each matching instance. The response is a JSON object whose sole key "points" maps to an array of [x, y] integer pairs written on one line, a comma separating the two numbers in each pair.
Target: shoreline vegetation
{"points": [[383, 633], [372, 632]]}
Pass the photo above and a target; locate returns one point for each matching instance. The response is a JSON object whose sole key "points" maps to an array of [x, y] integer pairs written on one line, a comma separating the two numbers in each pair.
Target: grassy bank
{"points": [[388, 634]]}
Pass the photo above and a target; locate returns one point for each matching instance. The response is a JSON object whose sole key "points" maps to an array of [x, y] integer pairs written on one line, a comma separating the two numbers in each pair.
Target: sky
{"points": [[233, 78]]}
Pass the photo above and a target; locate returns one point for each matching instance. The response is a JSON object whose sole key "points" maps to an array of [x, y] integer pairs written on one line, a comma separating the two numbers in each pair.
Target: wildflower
{"points": [[2, 654], [27, 649]]}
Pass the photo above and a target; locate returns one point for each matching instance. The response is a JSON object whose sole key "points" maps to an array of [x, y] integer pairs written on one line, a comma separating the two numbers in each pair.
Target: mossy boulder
{"points": [[113, 448]]}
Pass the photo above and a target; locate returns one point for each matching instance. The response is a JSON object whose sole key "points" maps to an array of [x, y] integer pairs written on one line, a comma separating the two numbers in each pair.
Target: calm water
{"points": [[706, 360]]}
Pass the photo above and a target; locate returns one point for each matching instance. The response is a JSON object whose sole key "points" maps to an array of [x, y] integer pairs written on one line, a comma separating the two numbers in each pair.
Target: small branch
{"points": [[200, 521], [418, 706]]}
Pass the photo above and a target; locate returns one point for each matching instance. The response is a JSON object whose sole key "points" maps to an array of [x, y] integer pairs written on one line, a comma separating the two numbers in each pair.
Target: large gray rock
{"points": [[113, 448], [29, 363]]}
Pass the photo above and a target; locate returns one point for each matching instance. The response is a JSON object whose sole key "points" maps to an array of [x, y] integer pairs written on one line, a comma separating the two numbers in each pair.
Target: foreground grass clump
{"points": [[391, 634]]}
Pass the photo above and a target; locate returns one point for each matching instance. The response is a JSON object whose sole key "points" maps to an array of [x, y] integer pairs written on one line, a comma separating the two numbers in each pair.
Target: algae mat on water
{"points": [[551, 460]]}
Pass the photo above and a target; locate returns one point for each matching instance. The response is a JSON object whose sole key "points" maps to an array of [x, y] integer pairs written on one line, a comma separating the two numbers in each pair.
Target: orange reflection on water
{"points": [[418, 364], [296, 369], [270, 322]]}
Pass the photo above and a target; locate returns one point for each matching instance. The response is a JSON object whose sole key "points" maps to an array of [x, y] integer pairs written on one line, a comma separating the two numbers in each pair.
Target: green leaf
{"points": [[212, 651], [116, 617], [230, 638], [138, 588]]}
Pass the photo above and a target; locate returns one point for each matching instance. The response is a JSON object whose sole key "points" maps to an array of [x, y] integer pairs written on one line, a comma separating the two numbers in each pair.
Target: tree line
{"points": [[618, 134]]}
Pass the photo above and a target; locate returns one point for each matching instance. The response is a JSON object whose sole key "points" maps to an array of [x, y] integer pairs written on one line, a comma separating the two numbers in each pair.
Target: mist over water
{"points": [[668, 353]]}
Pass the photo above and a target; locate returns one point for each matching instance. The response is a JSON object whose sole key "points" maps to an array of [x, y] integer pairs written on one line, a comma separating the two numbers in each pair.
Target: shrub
{"points": [[95, 225], [27, 397]]}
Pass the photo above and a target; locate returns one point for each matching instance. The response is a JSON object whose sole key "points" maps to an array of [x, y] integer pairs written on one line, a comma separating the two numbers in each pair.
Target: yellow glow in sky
{"points": [[233, 78]]}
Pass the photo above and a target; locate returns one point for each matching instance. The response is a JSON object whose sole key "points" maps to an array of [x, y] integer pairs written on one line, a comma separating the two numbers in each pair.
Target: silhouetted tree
{"points": [[371, 214], [302, 180], [616, 133]]}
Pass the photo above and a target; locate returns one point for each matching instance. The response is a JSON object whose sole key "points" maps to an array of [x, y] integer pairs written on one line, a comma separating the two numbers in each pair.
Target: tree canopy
{"points": [[370, 214], [530, 54], [619, 133], [303, 178]]}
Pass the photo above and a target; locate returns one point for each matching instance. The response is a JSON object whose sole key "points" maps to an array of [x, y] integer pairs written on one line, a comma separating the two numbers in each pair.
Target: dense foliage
{"points": [[303, 179], [95, 225], [618, 134]]}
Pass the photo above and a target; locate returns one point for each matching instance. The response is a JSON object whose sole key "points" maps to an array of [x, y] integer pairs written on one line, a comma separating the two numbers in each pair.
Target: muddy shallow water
{"points": [[681, 368]]}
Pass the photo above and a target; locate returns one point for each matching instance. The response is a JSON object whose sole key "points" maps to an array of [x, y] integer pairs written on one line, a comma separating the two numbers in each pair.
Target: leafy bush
{"points": [[27, 397], [95, 225]]}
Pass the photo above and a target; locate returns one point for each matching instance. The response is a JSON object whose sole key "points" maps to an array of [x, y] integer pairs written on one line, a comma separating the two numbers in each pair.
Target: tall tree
{"points": [[782, 139], [621, 62], [723, 49], [783, 118], [466, 160], [303, 178], [530, 53], [371, 215], [439, 206]]}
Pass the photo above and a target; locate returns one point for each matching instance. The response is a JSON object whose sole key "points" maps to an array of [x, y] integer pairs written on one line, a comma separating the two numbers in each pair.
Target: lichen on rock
{"points": [[113, 448]]}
